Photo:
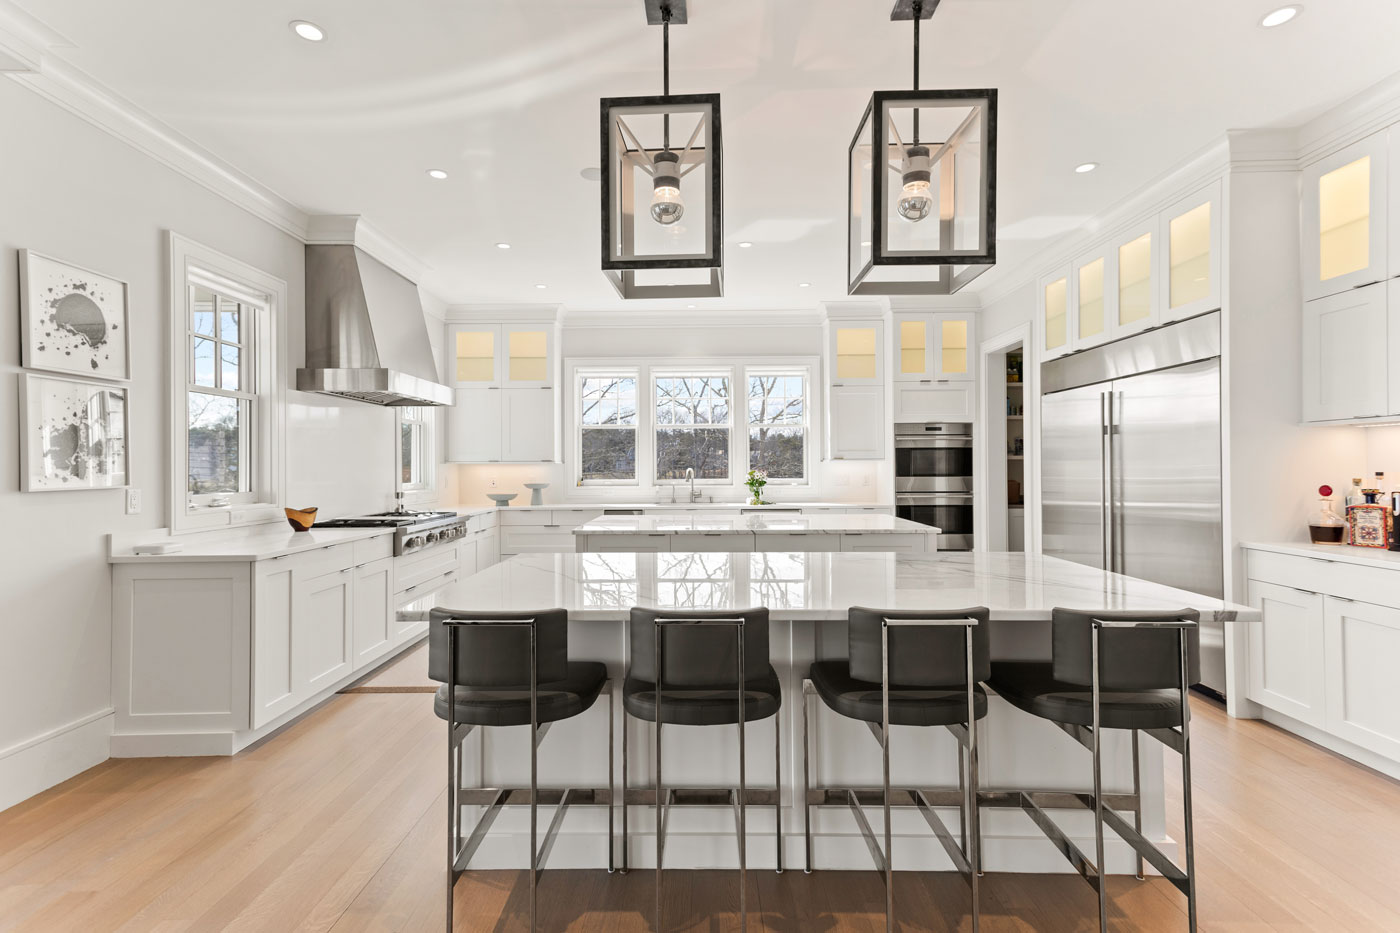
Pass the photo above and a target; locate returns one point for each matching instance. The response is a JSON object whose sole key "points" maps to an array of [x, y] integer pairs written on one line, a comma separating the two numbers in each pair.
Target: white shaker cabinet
{"points": [[1345, 356], [1190, 254], [1345, 207], [374, 610], [857, 425], [323, 629], [274, 677], [1054, 300], [507, 404], [1392, 195], [474, 426], [528, 426], [1362, 644], [933, 366], [1285, 652]]}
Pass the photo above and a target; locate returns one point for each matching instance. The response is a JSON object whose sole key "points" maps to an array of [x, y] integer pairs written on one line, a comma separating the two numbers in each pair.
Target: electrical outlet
{"points": [[865, 480], [491, 482], [133, 501]]}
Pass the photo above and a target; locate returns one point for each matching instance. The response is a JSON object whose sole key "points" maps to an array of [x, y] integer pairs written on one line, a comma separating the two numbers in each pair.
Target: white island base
{"points": [[754, 532], [808, 595]]}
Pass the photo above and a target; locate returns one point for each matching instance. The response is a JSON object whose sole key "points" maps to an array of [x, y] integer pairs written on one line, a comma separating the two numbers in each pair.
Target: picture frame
{"points": [[73, 320], [74, 434], [1369, 525]]}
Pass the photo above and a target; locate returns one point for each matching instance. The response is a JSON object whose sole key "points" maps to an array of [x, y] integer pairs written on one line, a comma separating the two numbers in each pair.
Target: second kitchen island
{"points": [[778, 531]]}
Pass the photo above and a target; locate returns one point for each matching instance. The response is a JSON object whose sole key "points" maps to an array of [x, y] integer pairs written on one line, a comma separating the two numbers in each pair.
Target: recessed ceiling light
{"points": [[542, 286], [691, 307], [308, 31], [591, 173], [745, 245], [502, 246], [804, 284], [437, 173], [1280, 16], [1086, 167]]}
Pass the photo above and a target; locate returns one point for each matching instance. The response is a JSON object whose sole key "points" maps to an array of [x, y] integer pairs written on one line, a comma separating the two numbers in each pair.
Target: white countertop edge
{"points": [[1340, 553], [668, 506]]}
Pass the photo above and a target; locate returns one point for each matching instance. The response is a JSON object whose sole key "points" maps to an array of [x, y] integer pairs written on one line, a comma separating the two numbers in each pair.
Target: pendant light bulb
{"points": [[916, 200], [666, 204]]}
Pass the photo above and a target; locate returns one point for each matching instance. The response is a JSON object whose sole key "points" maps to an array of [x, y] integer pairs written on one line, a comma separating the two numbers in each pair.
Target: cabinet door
{"points": [[1053, 304], [323, 634], [1190, 255], [475, 354], [374, 610], [528, 426], [474, 426], [488, 552], [1393, 342], [1344, 355], [1363, 650], [914, 341], [856, 353], [857, 423], [1135, 281], [527, 356], [1285, 651], [1392, 217], [916, 402], [274, 681], [955, 338], [1095, 299], [1344, 219]]}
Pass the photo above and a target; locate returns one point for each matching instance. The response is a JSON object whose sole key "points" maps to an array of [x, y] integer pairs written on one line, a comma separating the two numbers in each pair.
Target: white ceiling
{"points": [[503, 94]]}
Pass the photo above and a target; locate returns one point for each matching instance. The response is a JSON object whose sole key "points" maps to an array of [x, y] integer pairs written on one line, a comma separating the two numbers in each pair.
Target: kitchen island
{"points": [[808, 594], [754, 531]]}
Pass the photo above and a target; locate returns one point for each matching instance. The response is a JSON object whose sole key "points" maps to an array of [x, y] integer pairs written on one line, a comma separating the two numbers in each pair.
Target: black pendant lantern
{"points": [[662, 189], [922, 185]]}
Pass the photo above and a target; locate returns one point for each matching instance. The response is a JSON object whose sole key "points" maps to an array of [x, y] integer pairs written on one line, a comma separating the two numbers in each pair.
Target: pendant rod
{"points": [[918, 14], [666, 71]]}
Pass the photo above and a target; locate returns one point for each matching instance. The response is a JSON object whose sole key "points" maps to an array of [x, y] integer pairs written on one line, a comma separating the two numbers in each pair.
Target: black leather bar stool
{"points": [[510, 669], [908, 668], [1114, 670], [714, 671]]}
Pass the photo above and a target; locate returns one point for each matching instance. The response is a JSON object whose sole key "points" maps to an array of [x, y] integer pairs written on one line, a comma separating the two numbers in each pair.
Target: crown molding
{"points": [[493, 313], [1263, 150], [1355, 118], [726, 319], [23, 39]]}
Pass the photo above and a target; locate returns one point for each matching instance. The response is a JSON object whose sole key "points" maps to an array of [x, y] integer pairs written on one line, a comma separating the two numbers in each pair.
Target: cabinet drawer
{"points": [[572, 518], [902, 544], [315, 562], [797, 541], [536, 539], [933, 402], [1377, 585], [621, 544], [716, 542], [410, 572], [376, 548], [509, 518]]}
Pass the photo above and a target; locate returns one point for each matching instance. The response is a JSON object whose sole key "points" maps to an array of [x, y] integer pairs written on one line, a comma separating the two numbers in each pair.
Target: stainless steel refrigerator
{"points": [[1131, 474]]}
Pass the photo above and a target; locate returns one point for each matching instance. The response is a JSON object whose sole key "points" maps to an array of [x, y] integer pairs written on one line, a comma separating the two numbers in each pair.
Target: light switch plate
{"points": [[133, 501]]}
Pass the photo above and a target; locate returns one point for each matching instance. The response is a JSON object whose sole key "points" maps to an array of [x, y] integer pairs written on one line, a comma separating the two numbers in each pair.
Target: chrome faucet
{"points": [[690, 475]]}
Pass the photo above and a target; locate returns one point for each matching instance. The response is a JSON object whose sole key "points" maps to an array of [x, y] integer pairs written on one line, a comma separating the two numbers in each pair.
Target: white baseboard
{"points": [[1389, 767], [41, 762]]}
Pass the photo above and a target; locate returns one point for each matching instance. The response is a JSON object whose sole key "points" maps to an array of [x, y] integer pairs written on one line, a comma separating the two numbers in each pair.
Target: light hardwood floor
{"points": [[336, 824]]}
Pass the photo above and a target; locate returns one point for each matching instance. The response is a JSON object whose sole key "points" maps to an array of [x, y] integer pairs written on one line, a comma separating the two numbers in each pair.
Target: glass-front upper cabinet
{"points": [[528, 353], [1136, 285], [475, 353], [954, 332], [1095, 299], [913, 348], [856, 351], [1344, 219], [1393, 196], [1053, 301], [1189, 282]]}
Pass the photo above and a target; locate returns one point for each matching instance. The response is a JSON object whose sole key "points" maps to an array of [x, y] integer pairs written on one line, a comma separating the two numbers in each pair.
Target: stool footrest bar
{"points": [[950, 845], [1087, 870]]}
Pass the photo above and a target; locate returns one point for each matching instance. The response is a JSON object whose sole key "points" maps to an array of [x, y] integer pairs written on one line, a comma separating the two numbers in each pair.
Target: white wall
{"points": [[71, 191], [866, 481]]}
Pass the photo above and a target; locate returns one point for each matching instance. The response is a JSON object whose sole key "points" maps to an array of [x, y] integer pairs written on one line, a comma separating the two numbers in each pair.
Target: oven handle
{"points": [[945, 442], [932, 495]]}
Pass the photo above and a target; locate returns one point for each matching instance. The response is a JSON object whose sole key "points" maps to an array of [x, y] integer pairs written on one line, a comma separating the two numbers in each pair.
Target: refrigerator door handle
{"points": [[1106, 477]]}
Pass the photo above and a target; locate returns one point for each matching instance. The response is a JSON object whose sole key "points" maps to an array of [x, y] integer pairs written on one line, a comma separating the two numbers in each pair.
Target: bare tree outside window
{"points": [[693, 418], [608, 432], [219, 395], [777, 413]]}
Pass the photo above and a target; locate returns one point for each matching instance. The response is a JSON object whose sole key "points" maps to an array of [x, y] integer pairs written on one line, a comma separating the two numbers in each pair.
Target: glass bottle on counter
{"points": [[1356, 496], [1327, 527]]}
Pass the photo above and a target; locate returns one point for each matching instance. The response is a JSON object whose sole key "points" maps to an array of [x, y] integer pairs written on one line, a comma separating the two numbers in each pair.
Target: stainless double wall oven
{"points": [[933, 479]]}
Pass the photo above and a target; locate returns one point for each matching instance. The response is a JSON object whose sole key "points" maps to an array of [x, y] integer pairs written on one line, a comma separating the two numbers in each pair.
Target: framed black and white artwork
{"points": [[74, 320], [73, 434]]}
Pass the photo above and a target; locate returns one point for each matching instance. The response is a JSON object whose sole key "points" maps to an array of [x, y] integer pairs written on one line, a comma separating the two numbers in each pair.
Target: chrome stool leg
{"points": [[1189, 829], [806, 781], [1101, 875], [778, 786], [1137, 798]]}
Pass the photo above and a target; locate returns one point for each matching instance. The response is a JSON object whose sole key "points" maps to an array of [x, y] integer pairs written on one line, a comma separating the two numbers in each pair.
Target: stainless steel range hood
{"points": [[366, 338]]}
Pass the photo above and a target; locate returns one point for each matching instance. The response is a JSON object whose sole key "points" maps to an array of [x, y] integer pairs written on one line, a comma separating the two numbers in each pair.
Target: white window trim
{"points": [[192, 263], [646, 482], [781, 369], [425, 492]]}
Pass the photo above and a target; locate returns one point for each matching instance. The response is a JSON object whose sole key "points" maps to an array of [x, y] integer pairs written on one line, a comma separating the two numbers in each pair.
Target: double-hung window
{"points": [[416, 450], [777, 413], [219, 398], [227, 381], [607, 419], [693, 418]]}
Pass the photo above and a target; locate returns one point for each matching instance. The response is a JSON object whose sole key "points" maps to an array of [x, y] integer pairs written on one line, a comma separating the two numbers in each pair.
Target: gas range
{"points": [[413, 531]]}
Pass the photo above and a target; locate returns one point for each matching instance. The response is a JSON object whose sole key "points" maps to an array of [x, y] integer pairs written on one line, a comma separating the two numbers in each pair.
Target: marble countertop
{"points": [[751, 524], [1364, 556], [679, 504], [262, 543], [815, 586]]}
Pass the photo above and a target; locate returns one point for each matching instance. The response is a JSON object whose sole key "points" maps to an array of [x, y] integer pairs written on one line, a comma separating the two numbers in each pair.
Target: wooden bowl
{"points": [[301, 519]]}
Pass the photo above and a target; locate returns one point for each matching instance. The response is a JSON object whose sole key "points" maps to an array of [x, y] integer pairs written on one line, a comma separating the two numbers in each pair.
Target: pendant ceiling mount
{"points": [[922, 185], [662, 185]]}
